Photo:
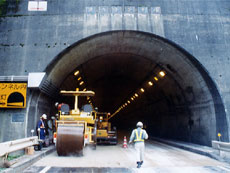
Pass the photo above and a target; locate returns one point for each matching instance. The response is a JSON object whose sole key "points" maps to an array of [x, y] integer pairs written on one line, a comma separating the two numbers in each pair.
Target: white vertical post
{"points": [[76, 103]]}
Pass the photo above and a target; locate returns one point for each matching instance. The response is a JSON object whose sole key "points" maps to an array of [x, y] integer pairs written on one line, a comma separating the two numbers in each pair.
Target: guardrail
{"points": [[11, 146], [224, 146]]}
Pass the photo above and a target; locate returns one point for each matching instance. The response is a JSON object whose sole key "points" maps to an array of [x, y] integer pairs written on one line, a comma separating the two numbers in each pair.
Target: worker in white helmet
{"points": [[41, 127], [139, 136]]}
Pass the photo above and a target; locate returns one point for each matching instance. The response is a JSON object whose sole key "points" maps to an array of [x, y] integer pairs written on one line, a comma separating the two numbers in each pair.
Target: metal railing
{"points": [[224, 146], [11, 146]]}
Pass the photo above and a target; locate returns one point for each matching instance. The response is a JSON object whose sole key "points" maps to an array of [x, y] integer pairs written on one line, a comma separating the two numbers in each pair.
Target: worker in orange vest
{"points": [[139, 136]]}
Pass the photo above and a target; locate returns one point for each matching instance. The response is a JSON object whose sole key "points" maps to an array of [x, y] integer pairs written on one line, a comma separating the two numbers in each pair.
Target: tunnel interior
{"points": [[140, 77]]}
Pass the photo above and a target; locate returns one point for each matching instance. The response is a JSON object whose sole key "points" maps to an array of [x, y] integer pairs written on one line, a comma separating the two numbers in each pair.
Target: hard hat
{"points": [[44, 116], [140, 124], [56, 104]]}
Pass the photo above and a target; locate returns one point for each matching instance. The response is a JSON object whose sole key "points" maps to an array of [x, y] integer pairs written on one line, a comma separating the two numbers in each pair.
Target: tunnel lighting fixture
{"points": [[88, 98], [136, 94], [150, 83], [128, 101], [79, 79], [162, 73], [156, 79], [126, 104], [76, 73], [132, 98], [82, 82], [142, 90]]}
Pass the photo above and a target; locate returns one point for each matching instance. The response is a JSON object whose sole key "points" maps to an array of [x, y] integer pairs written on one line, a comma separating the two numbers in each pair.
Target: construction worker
{"points": [[138, 136], [41, 127], [51, 128]]}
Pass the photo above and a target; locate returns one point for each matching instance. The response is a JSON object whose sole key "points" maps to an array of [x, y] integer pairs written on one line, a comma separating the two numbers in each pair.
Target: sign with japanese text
{"points": [[38, 5], [13, 95]]}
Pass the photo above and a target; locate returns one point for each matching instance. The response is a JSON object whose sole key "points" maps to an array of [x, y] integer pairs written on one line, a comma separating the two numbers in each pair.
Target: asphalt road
{"points": [[159, 157]]}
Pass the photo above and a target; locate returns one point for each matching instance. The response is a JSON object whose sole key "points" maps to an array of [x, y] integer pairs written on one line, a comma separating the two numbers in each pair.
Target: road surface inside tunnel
{"points": [[159, 157]]}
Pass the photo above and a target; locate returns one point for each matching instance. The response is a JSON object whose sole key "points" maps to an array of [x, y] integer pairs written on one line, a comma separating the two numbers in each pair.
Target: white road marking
{"points": [[224, 168], [45, 169]]}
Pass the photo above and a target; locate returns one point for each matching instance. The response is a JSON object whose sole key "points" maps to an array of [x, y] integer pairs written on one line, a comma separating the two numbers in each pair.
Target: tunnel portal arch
{"points": [[185, 105]]}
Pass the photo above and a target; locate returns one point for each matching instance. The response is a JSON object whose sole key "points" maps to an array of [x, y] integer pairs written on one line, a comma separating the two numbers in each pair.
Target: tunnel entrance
{"points": [[142, 77]]}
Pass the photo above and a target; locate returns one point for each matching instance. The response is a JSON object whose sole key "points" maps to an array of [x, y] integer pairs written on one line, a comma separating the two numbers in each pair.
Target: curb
{"points": [[27, 160], [195, 148]]}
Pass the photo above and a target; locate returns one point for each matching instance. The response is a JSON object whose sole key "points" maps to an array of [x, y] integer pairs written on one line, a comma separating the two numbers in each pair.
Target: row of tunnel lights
{"points": [[142, 90], [135, 95], [81, 82]]}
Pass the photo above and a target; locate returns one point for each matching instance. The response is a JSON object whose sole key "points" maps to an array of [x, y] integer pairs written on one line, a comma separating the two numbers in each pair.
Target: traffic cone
{"points": [[125, 143]]}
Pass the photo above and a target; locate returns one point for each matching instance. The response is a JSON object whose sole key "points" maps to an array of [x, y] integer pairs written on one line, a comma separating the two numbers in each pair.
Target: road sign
{"points": [[37, 6], [13, 95], [17, 118]]}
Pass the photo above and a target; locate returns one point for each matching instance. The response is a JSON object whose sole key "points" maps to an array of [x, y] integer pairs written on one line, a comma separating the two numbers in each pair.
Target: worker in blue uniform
{"points": [[139, 136], [41, 127]]}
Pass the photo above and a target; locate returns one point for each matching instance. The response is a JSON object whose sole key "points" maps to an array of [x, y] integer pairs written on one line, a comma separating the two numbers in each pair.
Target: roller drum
{"points": [[70, 140]]}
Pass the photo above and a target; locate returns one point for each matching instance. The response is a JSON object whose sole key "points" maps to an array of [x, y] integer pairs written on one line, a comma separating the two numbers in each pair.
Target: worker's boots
{"points": [[138, 164]]}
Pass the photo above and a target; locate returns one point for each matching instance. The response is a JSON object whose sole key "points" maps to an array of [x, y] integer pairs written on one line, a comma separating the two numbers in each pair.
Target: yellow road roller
{"points": [[74, 128]]}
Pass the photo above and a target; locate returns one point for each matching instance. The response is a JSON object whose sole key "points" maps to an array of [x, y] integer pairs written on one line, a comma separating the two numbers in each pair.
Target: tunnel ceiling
{"points": [[116, 65], [113, 77]]}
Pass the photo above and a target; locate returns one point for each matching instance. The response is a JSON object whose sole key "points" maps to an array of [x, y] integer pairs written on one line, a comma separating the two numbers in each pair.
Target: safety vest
{"points": [[139, 137], [42, 124]]}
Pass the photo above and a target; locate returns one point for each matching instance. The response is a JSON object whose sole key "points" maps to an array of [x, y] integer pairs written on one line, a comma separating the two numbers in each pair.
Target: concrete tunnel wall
{"points": [[33, 39]]}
